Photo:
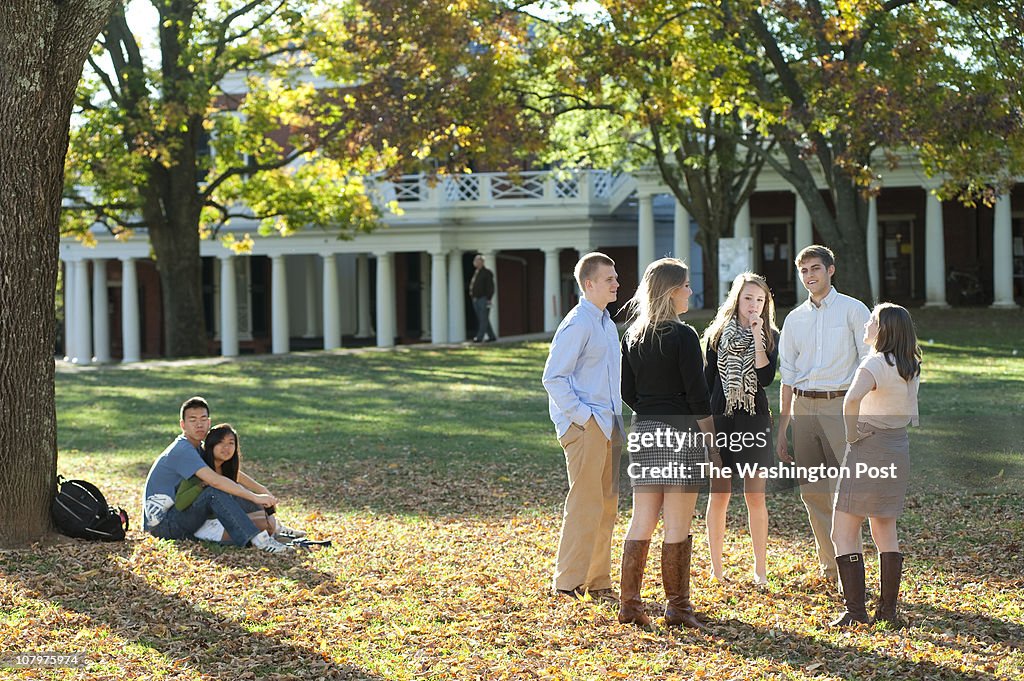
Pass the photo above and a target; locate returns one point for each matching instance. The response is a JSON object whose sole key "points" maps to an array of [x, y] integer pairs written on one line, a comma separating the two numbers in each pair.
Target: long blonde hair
{"points": [[652, 304], [728, 310]]}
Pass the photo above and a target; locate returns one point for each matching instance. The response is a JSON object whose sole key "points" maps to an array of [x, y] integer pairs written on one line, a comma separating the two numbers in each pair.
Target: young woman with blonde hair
{"points": [[742, 354], [663, 383]]}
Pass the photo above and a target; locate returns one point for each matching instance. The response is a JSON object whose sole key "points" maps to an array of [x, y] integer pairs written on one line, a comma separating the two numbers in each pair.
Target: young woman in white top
{"points": [[879, 406]]}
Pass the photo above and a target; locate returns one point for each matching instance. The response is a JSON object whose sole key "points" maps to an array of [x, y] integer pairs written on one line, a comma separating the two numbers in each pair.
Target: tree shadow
{"points": [[828, 659], [94, 582]]}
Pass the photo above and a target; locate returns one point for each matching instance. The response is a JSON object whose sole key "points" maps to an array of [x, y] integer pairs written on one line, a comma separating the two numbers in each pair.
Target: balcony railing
{"points": [[497, 189]]}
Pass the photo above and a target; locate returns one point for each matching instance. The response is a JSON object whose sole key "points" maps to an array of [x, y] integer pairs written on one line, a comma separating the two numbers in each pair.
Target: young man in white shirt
{"points": [[819, 351]]}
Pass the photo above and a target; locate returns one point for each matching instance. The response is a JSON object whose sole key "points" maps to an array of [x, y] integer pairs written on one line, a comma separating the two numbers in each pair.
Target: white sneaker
{"points": [[264, 542], [288, 533]]}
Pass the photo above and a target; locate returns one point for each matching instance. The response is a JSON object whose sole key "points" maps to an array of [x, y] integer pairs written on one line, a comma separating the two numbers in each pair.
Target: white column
{"points": [[1002, 255], [278, 305], [310, 297], [83, 323], [364, 325], [228, 307], [934, 253], [874, 266], [69, 310], [456, 298], [426, 299], [439, 297], [491, 263], [645, 233], [803, 233], [681, 234], [130, 331], [332, 308], [385, 301], [552, 289], [100, 314], [741, 226]]}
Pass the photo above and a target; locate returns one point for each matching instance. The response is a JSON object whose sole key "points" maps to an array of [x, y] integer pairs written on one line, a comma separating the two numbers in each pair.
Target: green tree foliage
{"points": [[333, 93], [842, 88], [637, 84]]}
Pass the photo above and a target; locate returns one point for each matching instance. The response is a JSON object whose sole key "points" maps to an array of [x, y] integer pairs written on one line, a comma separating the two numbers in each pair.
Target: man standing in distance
{"points": [[581, 377], [481, 290], [819, 351]]}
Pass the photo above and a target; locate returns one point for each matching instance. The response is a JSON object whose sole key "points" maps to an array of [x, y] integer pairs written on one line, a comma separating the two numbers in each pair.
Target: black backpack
{"points": [[79, 510]]}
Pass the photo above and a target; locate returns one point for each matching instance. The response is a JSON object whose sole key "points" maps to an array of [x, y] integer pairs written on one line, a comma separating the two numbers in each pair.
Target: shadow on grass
{"points": [[835, 660], [182, 633]]}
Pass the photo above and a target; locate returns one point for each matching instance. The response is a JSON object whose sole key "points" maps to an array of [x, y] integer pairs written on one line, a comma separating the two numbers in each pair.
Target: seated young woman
{"points": [[222, 452]]}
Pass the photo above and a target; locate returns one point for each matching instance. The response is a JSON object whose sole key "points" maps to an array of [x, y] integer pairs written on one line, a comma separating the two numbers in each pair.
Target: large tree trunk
{"points": [[176, 246], [172, 211], [43, 45], [845, 232]]}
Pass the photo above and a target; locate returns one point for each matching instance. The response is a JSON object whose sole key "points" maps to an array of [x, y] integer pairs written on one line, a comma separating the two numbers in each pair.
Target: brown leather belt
{"points": [[819, 394]]}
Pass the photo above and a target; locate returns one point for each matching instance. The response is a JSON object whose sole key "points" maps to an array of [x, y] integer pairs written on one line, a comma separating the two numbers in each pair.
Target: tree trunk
{"points": [[43, 45], [845, 232], [171, 210], [176, 246]]}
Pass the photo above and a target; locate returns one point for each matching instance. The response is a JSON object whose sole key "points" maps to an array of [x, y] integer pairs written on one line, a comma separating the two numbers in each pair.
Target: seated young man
{"points": [[180, 461]]}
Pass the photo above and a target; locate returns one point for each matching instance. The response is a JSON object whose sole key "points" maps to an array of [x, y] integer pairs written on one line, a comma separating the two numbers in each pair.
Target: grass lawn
{"points": [[437, 476]]}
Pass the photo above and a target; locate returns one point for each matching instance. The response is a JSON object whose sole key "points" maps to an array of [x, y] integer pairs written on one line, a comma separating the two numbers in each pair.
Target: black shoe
{"points": [[574, 594], [490, 340]]}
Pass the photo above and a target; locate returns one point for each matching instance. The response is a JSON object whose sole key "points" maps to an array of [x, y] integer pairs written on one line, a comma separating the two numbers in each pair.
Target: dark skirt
{"points": [[749, 438], [661, 454], [875, 475]]}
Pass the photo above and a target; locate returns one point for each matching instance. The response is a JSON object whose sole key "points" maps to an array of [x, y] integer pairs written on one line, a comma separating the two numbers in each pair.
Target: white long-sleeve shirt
{"points": [[822, 346]]}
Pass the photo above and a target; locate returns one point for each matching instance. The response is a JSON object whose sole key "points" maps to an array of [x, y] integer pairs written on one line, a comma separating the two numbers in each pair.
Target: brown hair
{"points": [[823, 253], [728, 310], [897, 340], [587, 265]]}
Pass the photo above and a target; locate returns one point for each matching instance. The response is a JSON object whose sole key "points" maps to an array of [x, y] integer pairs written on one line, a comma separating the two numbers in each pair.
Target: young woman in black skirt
{"points": [[742, 354]]}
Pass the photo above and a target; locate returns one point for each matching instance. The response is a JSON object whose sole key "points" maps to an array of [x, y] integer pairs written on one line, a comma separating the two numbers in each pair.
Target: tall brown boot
{"points": [[851, 574], [675, 575], [634, 559], [890, 570]]}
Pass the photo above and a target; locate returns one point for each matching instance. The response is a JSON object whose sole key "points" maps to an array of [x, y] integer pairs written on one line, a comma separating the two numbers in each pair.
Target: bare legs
{"points": [[846, 533], [676, 507], [757, 515]]}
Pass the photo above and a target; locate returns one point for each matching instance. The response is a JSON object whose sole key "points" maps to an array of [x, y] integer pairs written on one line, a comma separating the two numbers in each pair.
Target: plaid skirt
{"points": [[661, 454]]}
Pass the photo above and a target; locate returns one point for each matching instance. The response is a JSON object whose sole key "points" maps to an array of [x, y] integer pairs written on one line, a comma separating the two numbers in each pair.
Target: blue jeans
{"points": [[223, 506], [482, 308]]}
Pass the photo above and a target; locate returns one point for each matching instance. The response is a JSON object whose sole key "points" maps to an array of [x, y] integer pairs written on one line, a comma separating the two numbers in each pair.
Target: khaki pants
{"points": [[819, 438], [585, 545]]}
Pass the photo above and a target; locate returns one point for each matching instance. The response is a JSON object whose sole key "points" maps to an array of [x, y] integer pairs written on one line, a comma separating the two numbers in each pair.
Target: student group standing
{"points": [[848, 388]]}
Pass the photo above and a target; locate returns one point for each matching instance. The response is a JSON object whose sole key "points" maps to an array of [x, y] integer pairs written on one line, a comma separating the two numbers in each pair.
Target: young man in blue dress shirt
{"points": [[581, 377]]}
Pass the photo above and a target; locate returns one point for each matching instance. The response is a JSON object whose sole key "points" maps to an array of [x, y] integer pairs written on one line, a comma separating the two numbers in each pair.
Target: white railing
{"points": [[531, 187]]}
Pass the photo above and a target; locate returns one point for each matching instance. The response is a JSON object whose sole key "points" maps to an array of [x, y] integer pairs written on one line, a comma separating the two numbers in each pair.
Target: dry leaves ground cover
{"points": [[436, 475]]}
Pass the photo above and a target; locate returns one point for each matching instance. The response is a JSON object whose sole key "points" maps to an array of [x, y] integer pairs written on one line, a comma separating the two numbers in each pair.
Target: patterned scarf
{"points": [[736, 367]]}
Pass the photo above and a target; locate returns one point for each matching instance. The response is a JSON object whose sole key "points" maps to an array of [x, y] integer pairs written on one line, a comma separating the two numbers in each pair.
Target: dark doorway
{"points": [[774, 260], [897, 250]]}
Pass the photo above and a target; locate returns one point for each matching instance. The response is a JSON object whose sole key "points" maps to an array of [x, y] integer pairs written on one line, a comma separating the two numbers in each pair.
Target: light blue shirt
{"points": [[822, 346], [582, 374]]}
